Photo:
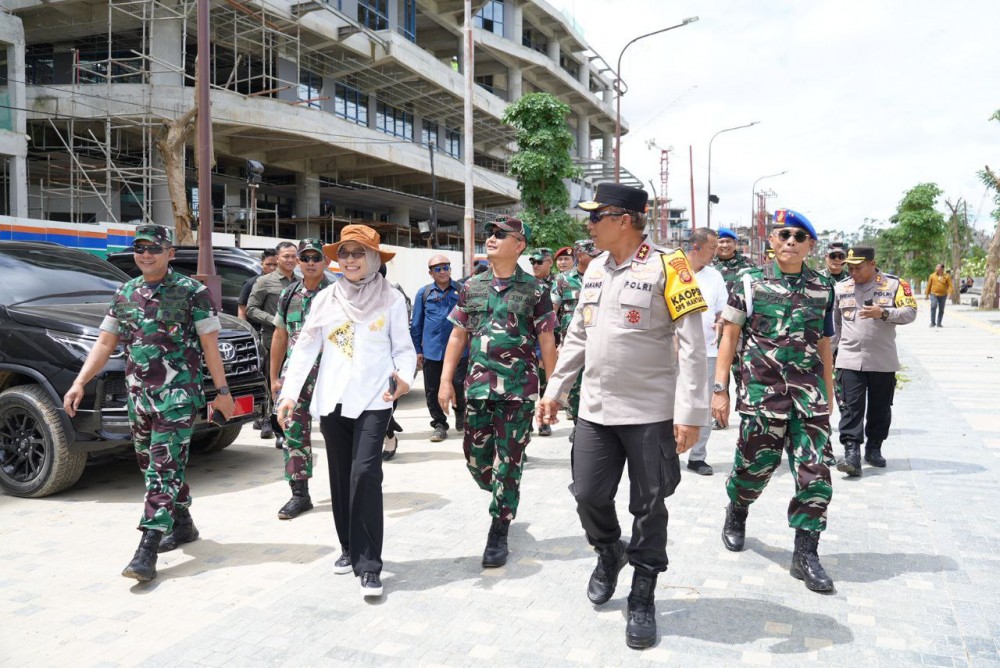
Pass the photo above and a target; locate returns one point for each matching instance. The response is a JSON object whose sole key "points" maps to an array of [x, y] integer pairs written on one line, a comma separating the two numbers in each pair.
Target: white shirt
{"points": [[713, 289], [358, 358]]}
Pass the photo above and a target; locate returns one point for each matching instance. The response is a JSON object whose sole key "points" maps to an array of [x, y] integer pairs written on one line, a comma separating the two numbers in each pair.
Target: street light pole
{"points": [[620, 91], [708, 198], [754, 232]]}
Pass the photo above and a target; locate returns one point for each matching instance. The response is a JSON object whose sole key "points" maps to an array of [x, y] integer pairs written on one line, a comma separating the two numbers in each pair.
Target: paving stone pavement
{"points": [[914, 550]]}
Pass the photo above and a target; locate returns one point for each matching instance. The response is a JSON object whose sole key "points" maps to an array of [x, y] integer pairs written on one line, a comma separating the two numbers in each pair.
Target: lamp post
{"points": [[618, 87], [754, 232], [708, 203]]}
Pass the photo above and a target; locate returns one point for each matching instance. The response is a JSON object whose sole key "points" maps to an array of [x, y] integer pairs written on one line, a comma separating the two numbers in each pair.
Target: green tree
{"points": [[960, 239], [991, 180], [540, 164], [916, 240]]}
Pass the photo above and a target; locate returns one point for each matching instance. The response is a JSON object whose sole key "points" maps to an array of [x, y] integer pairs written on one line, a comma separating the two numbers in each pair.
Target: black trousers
{"points": [[354, 456], [600, 454], [874, 388], [432, 383]]}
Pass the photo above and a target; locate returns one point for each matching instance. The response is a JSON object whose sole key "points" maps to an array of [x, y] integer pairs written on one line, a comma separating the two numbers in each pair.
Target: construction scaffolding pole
{"points": [[206, 262], [470, 211]]}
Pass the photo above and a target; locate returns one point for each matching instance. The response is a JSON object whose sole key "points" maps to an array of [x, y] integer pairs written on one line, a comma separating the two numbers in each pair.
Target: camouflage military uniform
{"points": [[504, 318], [565, 294], [783, 399], [730, 269], [160, 326], [839, 278], [293, 307]]}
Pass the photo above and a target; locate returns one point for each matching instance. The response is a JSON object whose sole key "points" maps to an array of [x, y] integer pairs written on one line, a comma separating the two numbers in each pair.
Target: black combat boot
{"points": [[299, 503], [851, 463], [184, 531], [610, 562], [805, 562], [734, 531], [495, 554], [873, 455], [143, 564], [640, 630]]}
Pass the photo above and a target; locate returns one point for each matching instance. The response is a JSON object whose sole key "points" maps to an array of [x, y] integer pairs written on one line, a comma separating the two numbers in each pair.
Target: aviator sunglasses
{"points": [[500, 235], [836, 256], [441, 267], [152, 249], [598, 216], [800, 235], [310, 258]]}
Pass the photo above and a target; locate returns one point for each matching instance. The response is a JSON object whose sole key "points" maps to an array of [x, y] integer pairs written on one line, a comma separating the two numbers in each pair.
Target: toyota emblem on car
{"points": [[227, 351]]}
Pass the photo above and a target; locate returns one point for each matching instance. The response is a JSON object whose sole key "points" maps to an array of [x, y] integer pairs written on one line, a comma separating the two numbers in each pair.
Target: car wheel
{"points": [[217, 440], [35, 459]]}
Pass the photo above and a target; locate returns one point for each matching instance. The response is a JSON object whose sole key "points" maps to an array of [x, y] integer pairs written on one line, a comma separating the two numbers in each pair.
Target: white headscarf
{"points": [[363, 300]]}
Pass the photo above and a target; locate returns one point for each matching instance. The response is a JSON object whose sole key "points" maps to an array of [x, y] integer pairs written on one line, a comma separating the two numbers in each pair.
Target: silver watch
{"points": [[719, 387]]}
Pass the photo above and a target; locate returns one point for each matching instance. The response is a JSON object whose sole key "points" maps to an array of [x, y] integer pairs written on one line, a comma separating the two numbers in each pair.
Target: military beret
{"points": [[726, 233], [615, 194], [156, 234], [790, 218], [565, 250]]}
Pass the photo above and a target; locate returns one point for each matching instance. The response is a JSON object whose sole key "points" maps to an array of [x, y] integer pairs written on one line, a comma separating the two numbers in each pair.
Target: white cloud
{"points": [[859, 100]]}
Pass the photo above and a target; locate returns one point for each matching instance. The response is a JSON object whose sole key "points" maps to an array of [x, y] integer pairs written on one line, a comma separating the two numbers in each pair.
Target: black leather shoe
{"points": [[603, 581], [873, 455], [851, 463], [700, 467], [371, 584], [734, 531], [184, 531], [143, 564], [389, 452], [805, 562], [495, 554], [299, 503], [640, 630], [266, 431], [343, 566], [440, 434]]}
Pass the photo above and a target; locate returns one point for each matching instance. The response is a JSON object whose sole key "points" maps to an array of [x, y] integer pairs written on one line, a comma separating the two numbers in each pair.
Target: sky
{"points": [[858, 100]]}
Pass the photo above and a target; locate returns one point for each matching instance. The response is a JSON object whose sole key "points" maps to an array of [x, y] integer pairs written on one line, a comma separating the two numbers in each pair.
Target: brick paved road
{"points": [[914, 550]]}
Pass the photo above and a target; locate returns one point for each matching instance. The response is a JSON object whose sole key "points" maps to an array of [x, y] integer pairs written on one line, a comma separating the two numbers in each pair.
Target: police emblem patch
{"points": [[633, 317], [588, 315]]}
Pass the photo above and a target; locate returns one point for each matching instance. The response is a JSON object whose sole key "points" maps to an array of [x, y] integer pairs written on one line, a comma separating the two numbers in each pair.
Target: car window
{"points": [[56, 275], [233, 278]]}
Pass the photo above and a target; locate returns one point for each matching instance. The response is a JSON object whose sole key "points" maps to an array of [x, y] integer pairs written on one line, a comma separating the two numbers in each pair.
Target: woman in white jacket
{"points": [[359, 327]]}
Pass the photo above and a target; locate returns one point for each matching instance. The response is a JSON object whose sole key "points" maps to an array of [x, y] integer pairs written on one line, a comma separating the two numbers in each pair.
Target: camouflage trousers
{"points": [[573, 403], [810, 455], [298, 437], [496, 434], [161, 435]]}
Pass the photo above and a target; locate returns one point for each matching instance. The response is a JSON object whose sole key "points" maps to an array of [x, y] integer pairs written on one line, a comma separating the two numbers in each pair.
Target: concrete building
{"points": [[353, 107]]}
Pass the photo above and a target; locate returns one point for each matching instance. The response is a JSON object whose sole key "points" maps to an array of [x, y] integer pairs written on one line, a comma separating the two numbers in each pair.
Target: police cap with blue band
{"points": [[726, 233], [790, 218]]}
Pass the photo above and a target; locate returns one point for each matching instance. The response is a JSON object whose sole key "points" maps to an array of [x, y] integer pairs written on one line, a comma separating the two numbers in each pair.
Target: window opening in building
{"points": [[533, 39], [429, 133], [374, 14], [351, 104], [393, 121], [453, 142], [490, 17], [310, 88], [410, 20]]}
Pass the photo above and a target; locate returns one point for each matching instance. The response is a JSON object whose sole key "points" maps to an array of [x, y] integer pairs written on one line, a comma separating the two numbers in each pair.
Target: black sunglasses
{"points": [[598, 216], [343, 254], [309, 258], [441, 267], [500, 235], [152, 249], [800, 235], [836, 256]]}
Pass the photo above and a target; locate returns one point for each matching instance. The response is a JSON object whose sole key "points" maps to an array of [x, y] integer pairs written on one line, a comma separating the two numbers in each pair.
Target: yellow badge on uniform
{"points": [[681, 293], [904, 296]]}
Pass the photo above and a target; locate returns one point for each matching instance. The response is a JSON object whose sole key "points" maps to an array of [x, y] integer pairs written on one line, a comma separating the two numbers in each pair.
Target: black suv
{"points": [[52, 302]]}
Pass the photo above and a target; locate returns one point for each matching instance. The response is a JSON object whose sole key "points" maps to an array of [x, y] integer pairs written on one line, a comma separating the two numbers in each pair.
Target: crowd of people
{"points": [[634, 342]]}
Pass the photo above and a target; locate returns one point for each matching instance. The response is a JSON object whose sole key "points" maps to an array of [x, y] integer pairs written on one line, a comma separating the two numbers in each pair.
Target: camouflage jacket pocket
{"points": [[174, 312]]}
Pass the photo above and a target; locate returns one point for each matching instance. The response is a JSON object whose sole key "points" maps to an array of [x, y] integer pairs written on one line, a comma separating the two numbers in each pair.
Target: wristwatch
{"points": [[718, 388], [224, 390], [885, 314]]}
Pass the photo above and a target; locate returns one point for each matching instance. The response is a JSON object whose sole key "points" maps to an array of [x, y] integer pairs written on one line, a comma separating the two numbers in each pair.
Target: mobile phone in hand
{"points": [[869, 302], [392, 385], [217, 417]]}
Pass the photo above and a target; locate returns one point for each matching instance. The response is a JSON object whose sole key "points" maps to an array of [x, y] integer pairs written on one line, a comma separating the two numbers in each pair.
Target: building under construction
{"points": [[352, 110]]}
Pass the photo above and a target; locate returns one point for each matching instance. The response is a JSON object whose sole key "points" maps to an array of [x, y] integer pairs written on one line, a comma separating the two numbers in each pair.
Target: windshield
{"points": [[56, 276]]}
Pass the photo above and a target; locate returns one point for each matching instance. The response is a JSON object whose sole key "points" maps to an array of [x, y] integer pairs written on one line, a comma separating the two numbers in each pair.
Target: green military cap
{"points": [[310, 244], [586, 246], [156, 234], [539, 254]]}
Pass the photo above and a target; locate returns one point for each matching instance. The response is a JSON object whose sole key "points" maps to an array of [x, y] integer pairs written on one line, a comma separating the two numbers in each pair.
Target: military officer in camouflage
{"points": [[836, 253], [289, 317], [506, 313], [639, 329], [565, 294], [169, 328], [541, 266], [868, 308], [728, 261], [784, 310]]}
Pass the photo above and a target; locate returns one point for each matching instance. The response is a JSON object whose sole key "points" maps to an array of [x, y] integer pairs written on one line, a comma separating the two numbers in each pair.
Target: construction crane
{"points": [[664, 207]]}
